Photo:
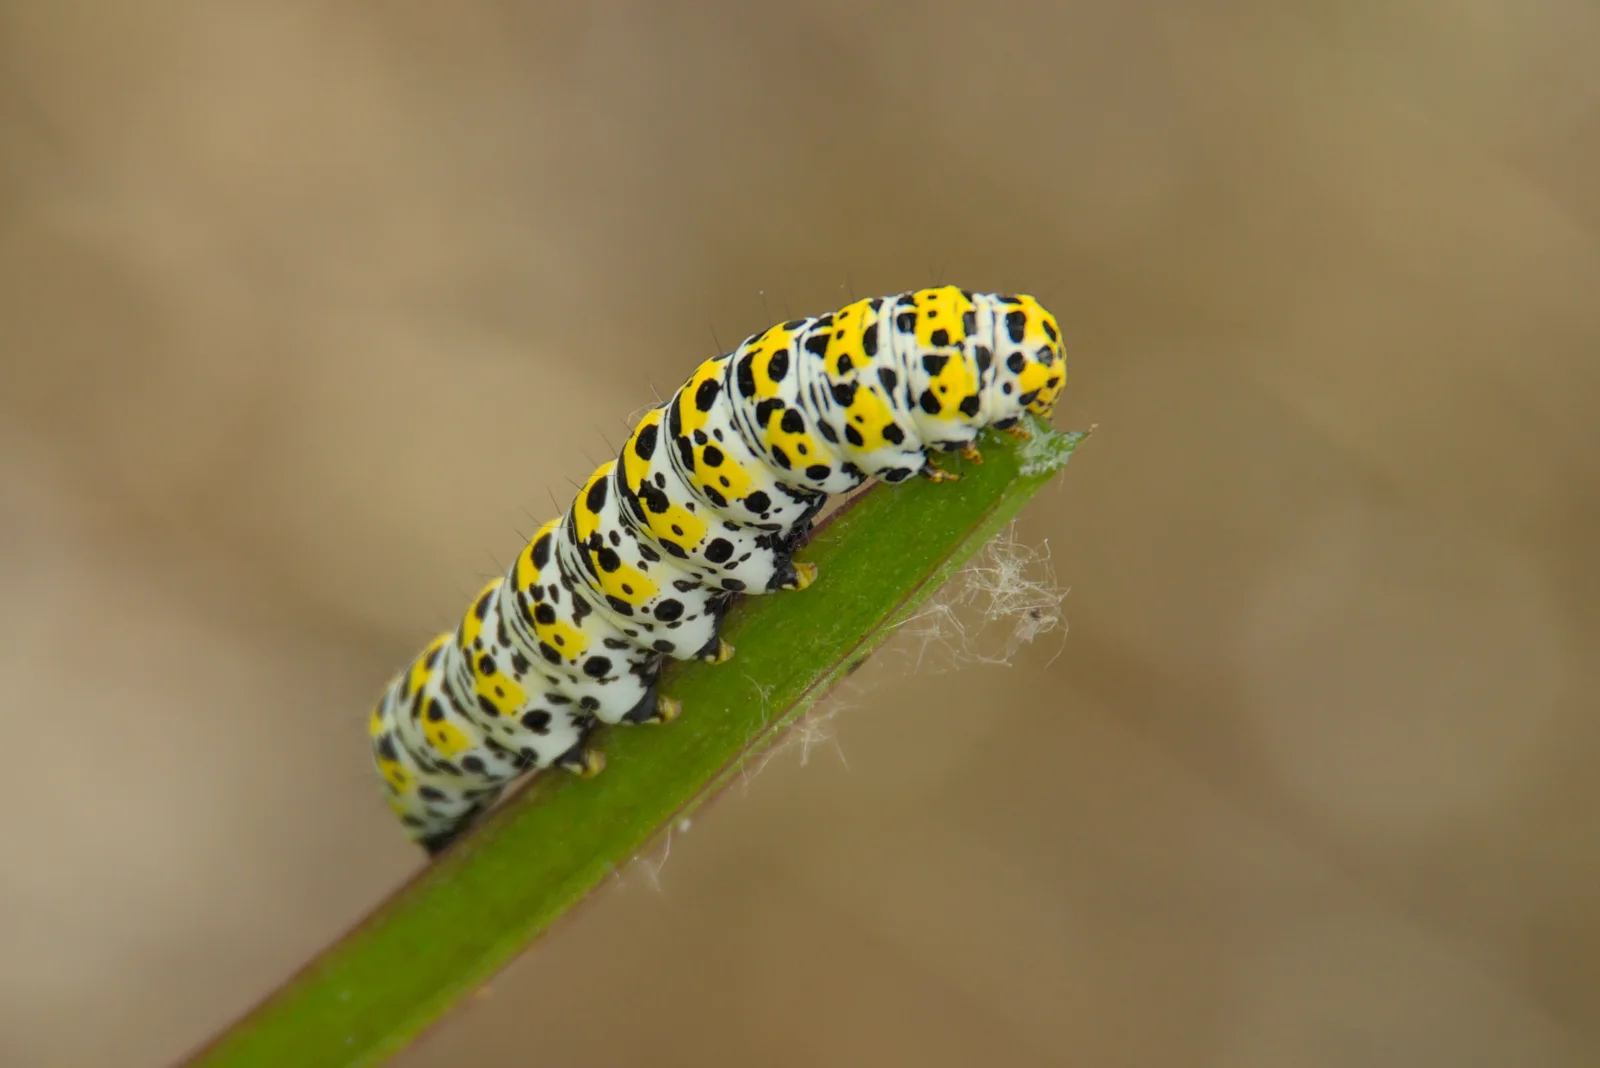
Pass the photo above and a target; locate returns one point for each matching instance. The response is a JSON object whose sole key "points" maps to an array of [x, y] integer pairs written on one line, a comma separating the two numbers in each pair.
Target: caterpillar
{"points": [[712, 494]]}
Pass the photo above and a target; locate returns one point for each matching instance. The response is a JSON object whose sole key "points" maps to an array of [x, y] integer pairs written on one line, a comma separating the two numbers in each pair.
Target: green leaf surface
{"points": [[483, 902]]}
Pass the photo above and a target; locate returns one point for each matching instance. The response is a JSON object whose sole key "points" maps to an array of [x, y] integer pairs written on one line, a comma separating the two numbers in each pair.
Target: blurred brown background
{"points": [[308, 309]]}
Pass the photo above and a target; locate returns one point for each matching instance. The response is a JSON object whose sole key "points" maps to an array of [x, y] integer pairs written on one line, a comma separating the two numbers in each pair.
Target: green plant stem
{"points": [[485, 901]]}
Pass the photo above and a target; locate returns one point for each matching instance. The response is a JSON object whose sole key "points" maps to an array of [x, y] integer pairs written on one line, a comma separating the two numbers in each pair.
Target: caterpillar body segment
{"points": [[712, 494]]}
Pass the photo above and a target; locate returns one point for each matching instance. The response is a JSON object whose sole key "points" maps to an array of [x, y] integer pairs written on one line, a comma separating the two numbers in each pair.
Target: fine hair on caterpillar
{"points": [[711, 495]]}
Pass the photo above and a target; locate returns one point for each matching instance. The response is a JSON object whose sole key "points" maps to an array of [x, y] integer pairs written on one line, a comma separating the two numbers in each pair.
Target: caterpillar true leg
{"points": [[713, 493]]}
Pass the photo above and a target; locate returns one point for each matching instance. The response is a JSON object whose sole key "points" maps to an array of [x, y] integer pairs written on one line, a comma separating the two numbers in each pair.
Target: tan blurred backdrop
{"points": [[308, 309]]}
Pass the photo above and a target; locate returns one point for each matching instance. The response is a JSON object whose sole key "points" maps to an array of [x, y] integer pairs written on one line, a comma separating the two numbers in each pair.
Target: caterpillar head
{"points": [[1030, 362]]}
